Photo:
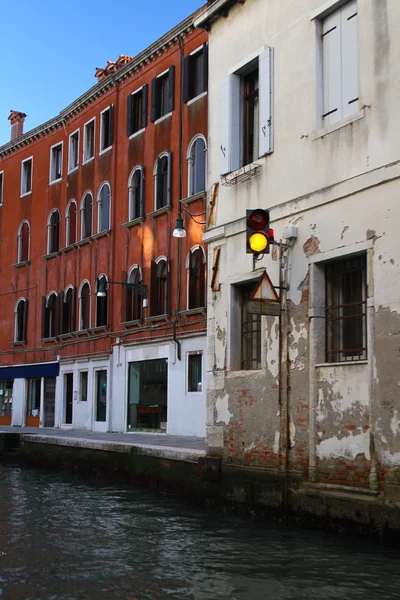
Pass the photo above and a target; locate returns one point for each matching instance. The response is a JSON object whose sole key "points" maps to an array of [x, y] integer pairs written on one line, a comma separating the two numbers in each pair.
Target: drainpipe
{"points": [[177, 342]]}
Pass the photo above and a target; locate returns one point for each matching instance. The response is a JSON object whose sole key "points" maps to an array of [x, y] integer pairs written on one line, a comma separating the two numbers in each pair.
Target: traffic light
{"points": [[258, 233]]}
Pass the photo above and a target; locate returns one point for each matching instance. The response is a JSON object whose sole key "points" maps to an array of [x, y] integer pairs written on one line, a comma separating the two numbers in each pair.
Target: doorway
{"points": [[49, 401], [33, 402], [100, 400], [147, 395], [68, 397]]}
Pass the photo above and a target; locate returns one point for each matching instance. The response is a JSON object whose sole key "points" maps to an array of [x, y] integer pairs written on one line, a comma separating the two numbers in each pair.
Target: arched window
{"points": [[86, 216], [53, 228], [24, 232], [103, 204], [68, 310], [136, 194], [70, 223], [21, 318], [133, 299], [50, 314], [84, 306], [102, 301], [197, 165], [162, 181], [159, 287], [195, 265]]}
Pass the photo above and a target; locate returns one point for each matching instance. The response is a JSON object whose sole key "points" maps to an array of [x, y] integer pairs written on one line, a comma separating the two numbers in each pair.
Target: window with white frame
{"points": [[53, 232], [194, 371], [136, 194], [88, 141], [1, 186], [162, 181], [136, 115], [21, 320], [84, 306], [195, 73], [102, 302], [162, 94], [246, 114], [86, 216], [26, 176], [133, 311], [106, 128], [23, 242], [56, 162], [159, 298], [68, 310], [83, 386], [73, 151], [196, 278], [338, 35], [70, 223], [103, 203], [197, 166], [50, 316], [245, 351]]}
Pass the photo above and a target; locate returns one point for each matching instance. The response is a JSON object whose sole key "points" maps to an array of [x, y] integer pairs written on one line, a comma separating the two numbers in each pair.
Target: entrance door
{"points": [[100, 417], [33, 403], [148, 394], [68, 395], [6, 398], [49, 401]]}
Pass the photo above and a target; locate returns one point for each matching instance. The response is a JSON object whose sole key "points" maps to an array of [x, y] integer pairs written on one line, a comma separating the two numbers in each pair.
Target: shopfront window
{"points": [[6, 398], [33, 408]]}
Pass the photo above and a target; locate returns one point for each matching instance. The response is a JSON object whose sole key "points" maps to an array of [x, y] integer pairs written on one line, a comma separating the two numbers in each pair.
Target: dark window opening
{"points": [[88, 151], [162, 96], [83, 386], [250, 331], [73, 151], [102, 304], [85, 307], [250, 117], [56, 163], [197, 176], [137, 111], [71, 224], [23, 243], [87, 216], [194, 373], [196, 279], [101, 396], [1, 188], [196, 73], [26, 177], [50, 329], [68, 313], [104, 208], [133, 300], [34, 393], [106, 139], [54, 232], [136, 195], [21, 321], [162, 182]]}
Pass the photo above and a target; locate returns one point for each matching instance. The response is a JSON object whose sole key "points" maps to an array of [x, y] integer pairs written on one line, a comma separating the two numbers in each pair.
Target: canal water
{"points": [[63, 538]]}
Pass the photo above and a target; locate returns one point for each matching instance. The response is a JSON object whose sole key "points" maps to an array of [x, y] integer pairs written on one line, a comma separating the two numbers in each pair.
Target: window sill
{"points": [[129, 224], [155, 318], [104, 233], [245, 373], [201, 310], [160, 211], [24, 263], [25, 194], [53, 181], [48, 340], [83, 242], [73, 170], [342, 364], [82, 332], [241, 175], [66, 336], [51, 255], [14, 344], [194, 197], [193, 100], [67, 248], [320, 133], [85, 162], [163, 118], [99, 329], [135, 323], [139, 132], [105, 150]]}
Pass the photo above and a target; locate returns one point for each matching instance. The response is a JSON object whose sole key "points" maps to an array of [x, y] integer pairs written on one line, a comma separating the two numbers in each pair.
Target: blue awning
{"points": [[28, 371]]}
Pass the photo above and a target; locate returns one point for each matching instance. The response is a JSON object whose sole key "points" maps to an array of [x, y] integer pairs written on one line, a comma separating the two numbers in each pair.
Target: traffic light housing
{"points": [[258, 233]]}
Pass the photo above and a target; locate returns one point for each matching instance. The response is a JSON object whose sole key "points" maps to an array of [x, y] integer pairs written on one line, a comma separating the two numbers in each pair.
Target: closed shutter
{"points": [[145, 94], [349, 59], [159, 183], [141, 193], [61, 307], [265, 102], [153, 115], [169, 180], [129, 105], [171, 89], [72, 325], [111, 125], [205, 67], [44, 318], [186, 79], [332, 80], [224, 121], [25, 322], [153, 289]]}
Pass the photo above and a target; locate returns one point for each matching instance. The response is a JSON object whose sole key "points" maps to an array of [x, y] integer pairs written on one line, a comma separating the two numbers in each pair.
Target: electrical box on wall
{"points": [[290, 232]]}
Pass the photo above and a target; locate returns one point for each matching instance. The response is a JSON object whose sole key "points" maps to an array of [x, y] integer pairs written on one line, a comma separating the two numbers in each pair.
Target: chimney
{"points": [[17, 123]]}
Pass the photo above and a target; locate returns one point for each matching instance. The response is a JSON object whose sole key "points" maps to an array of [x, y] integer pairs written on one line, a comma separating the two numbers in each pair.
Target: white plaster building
{"points": [[303, 120]]}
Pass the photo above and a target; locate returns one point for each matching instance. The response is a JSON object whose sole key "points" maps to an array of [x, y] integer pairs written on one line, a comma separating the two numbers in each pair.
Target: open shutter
{"points": [[265, 101], [205, 67], [44, 320], [72, 324], [225, 133], [331, 52], [186, 79], [153, 115], [169, 180], [145, 94], [25, 322], [153, 289], [129, 101], [141, 192], [234, 113], [171, 89], [158, 185], [349, 59], [111, 125]]}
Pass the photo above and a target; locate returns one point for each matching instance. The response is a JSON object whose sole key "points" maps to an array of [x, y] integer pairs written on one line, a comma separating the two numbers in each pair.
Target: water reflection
{"points": [[62, 538]]}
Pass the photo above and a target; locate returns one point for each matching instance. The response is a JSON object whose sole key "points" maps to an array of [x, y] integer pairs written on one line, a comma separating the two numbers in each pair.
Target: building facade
{"points": [[88, 204], [303, 118]]}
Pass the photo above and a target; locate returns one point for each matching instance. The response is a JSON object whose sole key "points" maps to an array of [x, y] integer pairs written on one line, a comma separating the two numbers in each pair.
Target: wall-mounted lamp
{"points": [[179, 231], [139, 288]]}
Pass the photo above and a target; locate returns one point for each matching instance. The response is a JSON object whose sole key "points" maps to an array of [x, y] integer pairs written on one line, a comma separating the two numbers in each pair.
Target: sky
{"points": [[50, 50]]}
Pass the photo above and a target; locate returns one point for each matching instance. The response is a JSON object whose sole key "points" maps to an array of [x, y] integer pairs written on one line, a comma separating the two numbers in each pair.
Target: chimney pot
{"points": [[17, 123]]}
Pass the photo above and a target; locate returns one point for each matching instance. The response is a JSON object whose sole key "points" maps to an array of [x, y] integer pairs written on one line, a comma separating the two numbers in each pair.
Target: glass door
{"points": [[101, 401]]}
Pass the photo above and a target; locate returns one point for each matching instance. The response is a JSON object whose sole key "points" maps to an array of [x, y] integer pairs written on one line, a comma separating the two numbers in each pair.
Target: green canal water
{"points": [[63, 538]]}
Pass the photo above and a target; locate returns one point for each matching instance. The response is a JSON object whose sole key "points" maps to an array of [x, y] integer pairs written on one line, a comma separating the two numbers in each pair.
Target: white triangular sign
{"points": [[265, 290]]}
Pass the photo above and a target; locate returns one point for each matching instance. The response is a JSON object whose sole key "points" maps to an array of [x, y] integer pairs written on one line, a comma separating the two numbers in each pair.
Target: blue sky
{"points": [[50, 50]]}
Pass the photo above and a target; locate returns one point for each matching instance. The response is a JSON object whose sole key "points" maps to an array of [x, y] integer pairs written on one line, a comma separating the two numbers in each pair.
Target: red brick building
{"points": [[89, 201]]}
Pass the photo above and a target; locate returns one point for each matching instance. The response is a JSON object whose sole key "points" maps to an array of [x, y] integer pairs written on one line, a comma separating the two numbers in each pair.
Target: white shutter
{"points": [[331, 46], [225, 128], [349, 59], [265, 102], [235, 145]]}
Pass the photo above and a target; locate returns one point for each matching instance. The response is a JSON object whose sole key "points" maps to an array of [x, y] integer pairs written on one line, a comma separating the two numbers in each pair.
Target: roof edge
{"points": [[220, 8]]}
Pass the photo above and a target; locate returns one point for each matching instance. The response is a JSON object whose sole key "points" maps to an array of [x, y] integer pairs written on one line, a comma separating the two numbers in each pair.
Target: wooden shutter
{"points": [[349, 59], [129, 105], [169, 180], [141, 192], [331, 52], [111, 125], [186, 78], [145, 94], [234, 115], [153, 289], [25, 322], [153, 112], [44, 319], [171, 89], [72, 325], [265, 102], [205, 67]]}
